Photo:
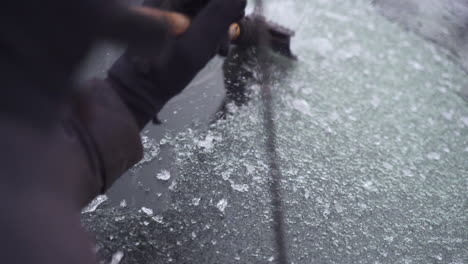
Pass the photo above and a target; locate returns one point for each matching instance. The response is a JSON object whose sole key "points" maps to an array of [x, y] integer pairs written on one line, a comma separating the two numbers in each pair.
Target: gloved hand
{"points": [[146, 83], [191, 8]]}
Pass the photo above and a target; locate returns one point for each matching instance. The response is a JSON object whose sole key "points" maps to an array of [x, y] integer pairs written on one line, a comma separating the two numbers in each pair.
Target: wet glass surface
{"points": [[372, 136]]}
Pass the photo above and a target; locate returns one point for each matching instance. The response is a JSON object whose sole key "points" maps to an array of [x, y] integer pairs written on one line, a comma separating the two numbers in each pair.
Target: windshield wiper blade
{"points": [[271, 145]]}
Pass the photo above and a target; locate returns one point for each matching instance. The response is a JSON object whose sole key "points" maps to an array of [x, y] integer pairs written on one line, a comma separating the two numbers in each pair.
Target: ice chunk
{"points": [[158, 218], [222, 205], [239, 187], [93, 205], [301, 106], [151, 149], [225, 175], [250, 168], [147, 211], [173, 185], [117, 257], [164, 175], [208, 142], [433, 156], [196, 201]]}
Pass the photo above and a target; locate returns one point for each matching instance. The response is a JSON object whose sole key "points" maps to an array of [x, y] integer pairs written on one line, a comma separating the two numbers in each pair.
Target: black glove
{"points": [[191, 8], [146, 83]]}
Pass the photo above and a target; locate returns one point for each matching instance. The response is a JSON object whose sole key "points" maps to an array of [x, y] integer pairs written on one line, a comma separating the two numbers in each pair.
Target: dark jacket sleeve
{"points": [[49, 173], [146, 82], [108, 130]]}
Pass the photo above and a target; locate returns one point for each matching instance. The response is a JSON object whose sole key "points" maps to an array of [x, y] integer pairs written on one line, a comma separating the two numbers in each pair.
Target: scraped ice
{"points": [[147, 211], [301, 105], [433, 156], [117, 257], [239, 187], [221, 205], [173, 185], [93, 205], [208, 142], [164, 175], [158, 218], [359, 184], [150, 148], [250, 168], [196, 201]]}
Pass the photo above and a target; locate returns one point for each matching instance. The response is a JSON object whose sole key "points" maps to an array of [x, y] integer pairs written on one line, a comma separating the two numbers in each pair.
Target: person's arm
{"points": [[112, 112], [146, 83], [49, 172]]}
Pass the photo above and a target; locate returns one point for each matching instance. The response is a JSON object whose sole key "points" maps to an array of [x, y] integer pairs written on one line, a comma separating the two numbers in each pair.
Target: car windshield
{"points": [[370, 153]]}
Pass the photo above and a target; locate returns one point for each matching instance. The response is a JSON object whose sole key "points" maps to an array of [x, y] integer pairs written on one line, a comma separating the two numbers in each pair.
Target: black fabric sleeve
{"points": [[146, 83]]}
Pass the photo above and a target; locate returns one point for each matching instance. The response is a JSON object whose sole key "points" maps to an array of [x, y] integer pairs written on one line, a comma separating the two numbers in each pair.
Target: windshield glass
{"points": [[371, 142]]}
